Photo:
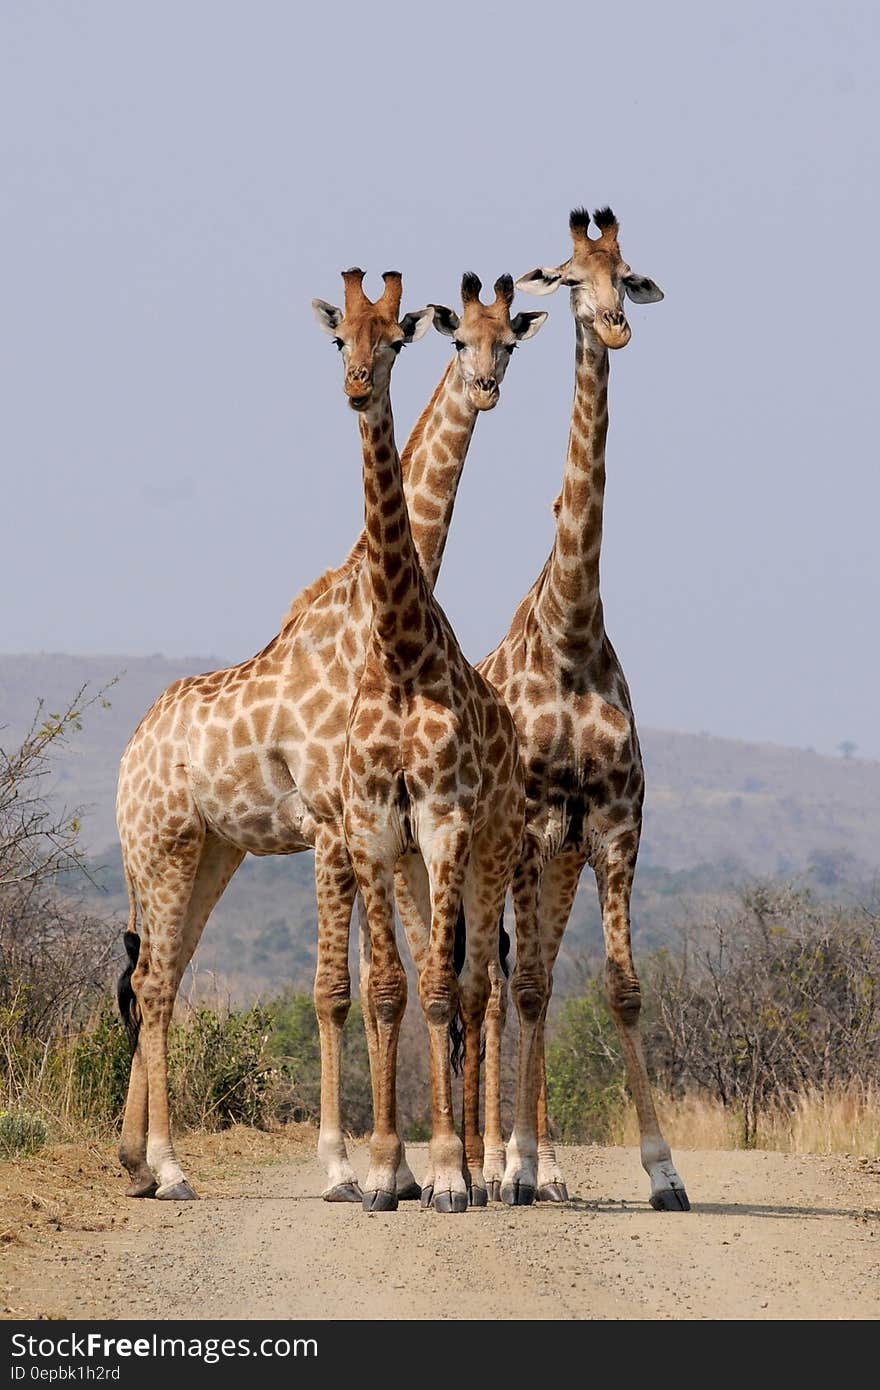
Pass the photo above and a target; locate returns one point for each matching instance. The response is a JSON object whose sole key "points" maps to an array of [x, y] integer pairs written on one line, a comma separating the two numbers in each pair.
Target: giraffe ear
{"points": [[445, 320], [544, 280], [328, 316], [416, 324], [526, 325], [641, 290]]}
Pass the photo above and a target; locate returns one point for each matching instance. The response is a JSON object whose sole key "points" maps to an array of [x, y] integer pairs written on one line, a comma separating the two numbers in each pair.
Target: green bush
{"points": [[101, 1063], [586, 1080], [20, 1133], [295, 1048], [219, 1070]]}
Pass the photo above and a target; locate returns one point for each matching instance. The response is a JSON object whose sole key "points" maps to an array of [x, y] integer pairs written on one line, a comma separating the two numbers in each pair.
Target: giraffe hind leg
{"points": [[614, 876], [186, 904], [496, 1015], [133, 1145]]}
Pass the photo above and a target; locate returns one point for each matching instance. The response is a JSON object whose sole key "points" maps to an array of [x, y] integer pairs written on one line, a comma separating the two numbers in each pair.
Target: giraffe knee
{"points": [[332, 996], [530, 994], [439, 996], [389, 1010], [474, 999], [439, 1009], [623, 992], [388, 996]]}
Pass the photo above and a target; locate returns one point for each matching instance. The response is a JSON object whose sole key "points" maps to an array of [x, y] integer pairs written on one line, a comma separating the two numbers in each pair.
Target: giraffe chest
{"points": [[410, 752], [581, 764]]}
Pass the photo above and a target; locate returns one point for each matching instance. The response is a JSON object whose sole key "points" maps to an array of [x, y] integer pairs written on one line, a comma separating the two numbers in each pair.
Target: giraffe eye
{"points": [[511, 347], [395, 347], [339, 343], [458, 345]]}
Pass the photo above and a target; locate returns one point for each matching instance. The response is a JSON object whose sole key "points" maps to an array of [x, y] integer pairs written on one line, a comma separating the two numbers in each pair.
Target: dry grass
{"points": [[840, 1121], [43, 1082]]}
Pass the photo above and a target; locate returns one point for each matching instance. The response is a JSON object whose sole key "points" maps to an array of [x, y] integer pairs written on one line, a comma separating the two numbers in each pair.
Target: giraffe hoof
{"points": [[411, 1193], [427, 1196], [344, 1192], [552, 1192], [670, 1199], [450, 1202], [176, 1192], [478, 1196], [493, 1188], [517, 1194], [147, 1187], [380, 1201]]}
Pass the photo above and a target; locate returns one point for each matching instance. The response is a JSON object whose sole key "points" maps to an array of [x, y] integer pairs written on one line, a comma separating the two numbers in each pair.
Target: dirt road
{"points": [[770, 1236]]}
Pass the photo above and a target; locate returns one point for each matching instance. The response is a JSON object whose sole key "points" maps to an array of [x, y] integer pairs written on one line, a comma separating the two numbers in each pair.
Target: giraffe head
{"points": [[485, 336], [598, 277], [368, 335]]}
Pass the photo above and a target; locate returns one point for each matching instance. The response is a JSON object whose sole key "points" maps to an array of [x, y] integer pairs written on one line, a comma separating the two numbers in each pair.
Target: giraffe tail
{"points": [[128, 1005], [503, 947], [456, 1031]]}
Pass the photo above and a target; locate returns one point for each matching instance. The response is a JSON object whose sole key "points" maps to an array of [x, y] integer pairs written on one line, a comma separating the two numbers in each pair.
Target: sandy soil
{"points": [[770, 1236]]}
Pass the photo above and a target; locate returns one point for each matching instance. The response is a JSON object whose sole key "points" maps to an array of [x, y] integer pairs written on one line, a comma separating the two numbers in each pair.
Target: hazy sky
{"points": [[179, 180]]}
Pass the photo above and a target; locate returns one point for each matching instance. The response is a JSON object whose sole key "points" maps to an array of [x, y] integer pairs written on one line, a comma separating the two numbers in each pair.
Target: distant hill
{"points": [[710, 800], [718, 812]]}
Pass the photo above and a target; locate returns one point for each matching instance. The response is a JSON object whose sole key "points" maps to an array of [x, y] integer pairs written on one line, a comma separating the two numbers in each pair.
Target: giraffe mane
{"points": [[325, 581]]}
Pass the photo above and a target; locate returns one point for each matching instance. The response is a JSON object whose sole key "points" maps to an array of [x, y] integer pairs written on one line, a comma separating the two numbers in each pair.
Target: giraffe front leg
{"points": [[413, 895], [408, 1189], [529, 990], [614, 875], [438, 993], [386, 1002], [552, 1186], [335, 887], [473, 987], [494, 1157], [482, 986]]}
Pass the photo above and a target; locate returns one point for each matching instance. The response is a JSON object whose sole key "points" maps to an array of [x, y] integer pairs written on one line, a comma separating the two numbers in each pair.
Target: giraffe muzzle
{"points": [[484, 392], [612, 328], [358, 388]]}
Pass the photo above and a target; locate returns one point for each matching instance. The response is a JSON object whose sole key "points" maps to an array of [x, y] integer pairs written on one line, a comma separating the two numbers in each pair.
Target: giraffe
{"points": [[564, 685], [431, 767], [248, 759]]}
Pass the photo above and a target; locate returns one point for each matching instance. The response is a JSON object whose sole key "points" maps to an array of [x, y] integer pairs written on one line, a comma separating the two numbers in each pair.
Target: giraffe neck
{"points": [[569, 608], [432, 463], [398, 588]]}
